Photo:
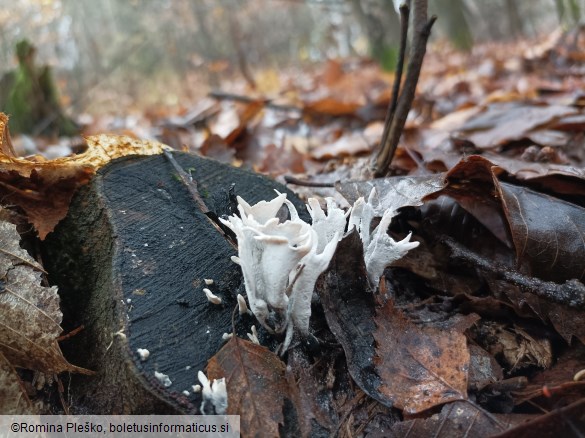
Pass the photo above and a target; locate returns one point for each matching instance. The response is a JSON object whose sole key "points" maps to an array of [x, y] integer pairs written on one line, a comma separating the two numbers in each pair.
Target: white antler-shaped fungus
{"points": [[281, 261], [380, 250]]}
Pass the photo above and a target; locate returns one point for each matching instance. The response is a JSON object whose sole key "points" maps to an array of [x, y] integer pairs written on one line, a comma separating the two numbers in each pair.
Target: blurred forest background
{"points": [[161, 56], [113, 54]]}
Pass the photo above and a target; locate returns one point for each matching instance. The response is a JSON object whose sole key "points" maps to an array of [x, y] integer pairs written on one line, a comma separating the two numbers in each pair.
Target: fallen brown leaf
{"points": [[420, 366], [458, 420], [502, 123], [29, 327], [13, 397], [256, 385]]}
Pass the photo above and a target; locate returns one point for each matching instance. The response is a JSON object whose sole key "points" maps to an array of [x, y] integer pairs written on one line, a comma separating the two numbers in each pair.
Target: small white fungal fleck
{"points": [[163, 378], [143, 353], [254, 335], [186, 393], [188, 367], [242, 307], [214, 394], [146, 244], [227, 336], [208, 281], [236, 260], [128, 300], [211, 297], [196, 388]]}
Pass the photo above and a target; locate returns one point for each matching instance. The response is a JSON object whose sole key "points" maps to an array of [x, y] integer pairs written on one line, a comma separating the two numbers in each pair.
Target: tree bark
{"points": [[130, 261]]}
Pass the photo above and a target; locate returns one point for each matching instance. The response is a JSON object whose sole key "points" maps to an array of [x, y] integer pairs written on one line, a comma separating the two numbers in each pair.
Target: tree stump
{"points": [[130, 261]]}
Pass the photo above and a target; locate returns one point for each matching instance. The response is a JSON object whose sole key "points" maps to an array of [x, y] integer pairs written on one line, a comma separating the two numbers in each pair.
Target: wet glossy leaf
{"points": [[566, 421], [548, 233], [349, 310]]}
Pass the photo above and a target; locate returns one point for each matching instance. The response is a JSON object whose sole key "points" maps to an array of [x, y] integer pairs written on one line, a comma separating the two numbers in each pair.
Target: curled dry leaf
{"points": [[30, 312], [43, 189], [256, 385], [502, 123]]}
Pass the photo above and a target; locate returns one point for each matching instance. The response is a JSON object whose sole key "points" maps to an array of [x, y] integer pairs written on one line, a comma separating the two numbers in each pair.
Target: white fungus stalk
{"points": [[236, 260], [163, 378], [281, 261], [380, 250], [254, 335], [242, 307], [214, 395], [211, 297], [143, 353]]}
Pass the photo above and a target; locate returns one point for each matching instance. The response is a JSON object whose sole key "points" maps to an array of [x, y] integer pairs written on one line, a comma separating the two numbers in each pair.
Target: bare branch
{"points": [[422, 31]]}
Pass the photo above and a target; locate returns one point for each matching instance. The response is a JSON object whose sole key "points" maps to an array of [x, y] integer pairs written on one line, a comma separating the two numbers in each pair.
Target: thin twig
{"points": [[191, 185], [299, 182], [220, 95], [571, 293], [189, 182], [422, 31], [404, 15]]}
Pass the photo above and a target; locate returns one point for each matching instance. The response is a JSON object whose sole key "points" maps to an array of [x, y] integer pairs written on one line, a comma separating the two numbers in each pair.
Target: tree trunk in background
{"points": [[452, 20], [568, 11], [380, 24], [515, 25]]}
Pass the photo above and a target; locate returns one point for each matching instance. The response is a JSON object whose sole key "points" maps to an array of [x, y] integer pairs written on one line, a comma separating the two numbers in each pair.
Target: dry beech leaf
{"points": [[5, 142], [502, 123], [30, 312], [256, 385], [13, 397], [231, 123], [420, 366], [44, 188], [352, 143]]}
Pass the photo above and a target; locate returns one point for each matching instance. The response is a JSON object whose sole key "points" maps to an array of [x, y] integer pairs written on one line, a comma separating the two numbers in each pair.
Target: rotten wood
{"points": [[130, 261]]}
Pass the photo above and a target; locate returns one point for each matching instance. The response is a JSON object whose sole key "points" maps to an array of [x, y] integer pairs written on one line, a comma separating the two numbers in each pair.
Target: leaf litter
{"points": [[30, 324], [519, 184]]}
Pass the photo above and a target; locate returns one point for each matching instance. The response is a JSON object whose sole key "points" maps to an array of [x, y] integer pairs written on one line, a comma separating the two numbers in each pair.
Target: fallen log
{"points": [[131, 260]]}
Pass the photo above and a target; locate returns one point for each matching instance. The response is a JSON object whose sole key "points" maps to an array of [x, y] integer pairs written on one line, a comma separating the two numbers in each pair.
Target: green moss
{"points": [[32, 101]]}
